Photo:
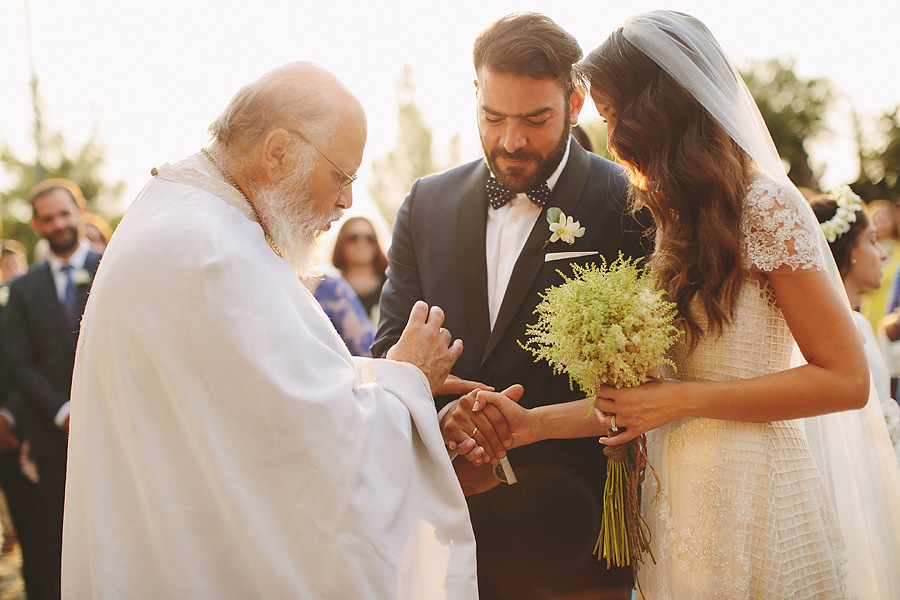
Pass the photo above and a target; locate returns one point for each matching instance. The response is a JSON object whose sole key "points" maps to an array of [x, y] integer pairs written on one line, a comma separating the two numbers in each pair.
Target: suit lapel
{"points": [[90, 265], [471, 227], [49, 298], [565, 196]]}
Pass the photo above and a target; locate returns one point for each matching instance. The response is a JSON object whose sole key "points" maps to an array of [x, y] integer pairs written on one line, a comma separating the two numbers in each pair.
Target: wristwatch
{"points": [[504, 472]]}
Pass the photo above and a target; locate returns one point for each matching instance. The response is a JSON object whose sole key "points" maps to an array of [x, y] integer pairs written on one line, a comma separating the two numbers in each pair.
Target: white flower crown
{"points": [[848, 204]]}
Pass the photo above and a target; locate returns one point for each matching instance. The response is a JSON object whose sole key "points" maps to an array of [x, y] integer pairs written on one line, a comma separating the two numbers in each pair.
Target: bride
{"points": [[758, 495]]}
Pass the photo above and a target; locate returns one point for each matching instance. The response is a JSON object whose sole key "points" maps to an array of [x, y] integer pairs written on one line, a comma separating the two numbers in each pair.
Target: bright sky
{"points": [[150, 77]]}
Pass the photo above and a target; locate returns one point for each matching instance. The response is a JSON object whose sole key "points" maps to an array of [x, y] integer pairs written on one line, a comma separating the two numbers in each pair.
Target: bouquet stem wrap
{"points": [[624, 535]]}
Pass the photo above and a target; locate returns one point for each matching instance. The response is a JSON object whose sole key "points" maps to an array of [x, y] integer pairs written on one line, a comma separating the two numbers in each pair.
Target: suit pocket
{"points": [[554, 272], [552, 256]]}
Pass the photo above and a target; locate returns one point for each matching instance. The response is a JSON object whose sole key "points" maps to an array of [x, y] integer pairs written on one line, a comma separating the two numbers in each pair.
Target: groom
{"points": [[479, 247]]}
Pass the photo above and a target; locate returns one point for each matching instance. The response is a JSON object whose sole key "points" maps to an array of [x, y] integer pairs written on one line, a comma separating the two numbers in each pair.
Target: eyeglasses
{"points": [[355, 237], [348, 179]]}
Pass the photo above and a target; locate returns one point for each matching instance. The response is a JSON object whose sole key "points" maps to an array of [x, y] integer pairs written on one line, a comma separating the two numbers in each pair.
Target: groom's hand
{"points": [[474, 479], [427, 345]]}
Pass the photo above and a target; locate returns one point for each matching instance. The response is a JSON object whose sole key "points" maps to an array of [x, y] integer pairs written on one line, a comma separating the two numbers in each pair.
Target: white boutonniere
{"points": [[4, 295], [81, 277], [562, 227]]}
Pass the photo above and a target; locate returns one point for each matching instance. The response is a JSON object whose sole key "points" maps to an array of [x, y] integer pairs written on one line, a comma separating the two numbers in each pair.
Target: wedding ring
{"points": [[474, 431], [612, 422]]}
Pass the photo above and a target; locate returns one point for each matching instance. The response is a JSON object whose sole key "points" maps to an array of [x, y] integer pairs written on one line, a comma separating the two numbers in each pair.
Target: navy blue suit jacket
{"points": [[549, 520], [40, 347], [10, 399]]}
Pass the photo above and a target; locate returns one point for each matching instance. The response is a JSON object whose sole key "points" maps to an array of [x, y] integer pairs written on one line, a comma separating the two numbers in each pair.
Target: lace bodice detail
{"points": [[779, 229], [778, 233]]}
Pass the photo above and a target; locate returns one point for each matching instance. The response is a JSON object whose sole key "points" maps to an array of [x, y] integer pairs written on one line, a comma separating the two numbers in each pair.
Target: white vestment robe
{"points": [[223, 441]]}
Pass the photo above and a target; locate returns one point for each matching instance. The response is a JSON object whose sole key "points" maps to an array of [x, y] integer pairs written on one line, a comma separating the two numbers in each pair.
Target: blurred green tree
{"points": [[794, 110], [411, 157], [879, 158], [82, 166], [52, 159]]}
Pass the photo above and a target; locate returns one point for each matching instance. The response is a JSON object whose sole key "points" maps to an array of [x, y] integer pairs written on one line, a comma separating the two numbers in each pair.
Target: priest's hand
{"points": [[456, 386], [427, 345]]}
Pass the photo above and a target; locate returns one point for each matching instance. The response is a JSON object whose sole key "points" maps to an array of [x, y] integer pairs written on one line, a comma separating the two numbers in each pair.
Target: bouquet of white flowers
{"points": [[609, 326]]}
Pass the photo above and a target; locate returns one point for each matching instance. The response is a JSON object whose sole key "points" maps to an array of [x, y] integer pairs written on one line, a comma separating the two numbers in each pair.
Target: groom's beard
{"points": [[287, 213], [546, 164]]}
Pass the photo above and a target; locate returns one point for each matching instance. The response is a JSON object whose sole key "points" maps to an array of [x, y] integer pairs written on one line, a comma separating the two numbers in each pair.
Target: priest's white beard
{"points": [[288, 214]]}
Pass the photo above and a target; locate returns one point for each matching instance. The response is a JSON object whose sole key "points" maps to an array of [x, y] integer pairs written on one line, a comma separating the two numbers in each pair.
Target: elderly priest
{"points": [[224, 443]]}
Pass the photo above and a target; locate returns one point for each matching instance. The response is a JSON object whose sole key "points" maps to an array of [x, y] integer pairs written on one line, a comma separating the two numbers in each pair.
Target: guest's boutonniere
{"points": [[4, 295], [81, 277], [562, 227]]}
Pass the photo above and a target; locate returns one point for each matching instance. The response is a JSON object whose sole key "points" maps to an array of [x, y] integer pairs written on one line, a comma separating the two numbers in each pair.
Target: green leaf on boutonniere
{"points": [[553, 214]]}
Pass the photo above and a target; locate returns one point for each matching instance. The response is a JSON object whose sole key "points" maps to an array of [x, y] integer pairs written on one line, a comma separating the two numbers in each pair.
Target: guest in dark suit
{"points": [[485, 263], [21, 494], [42, 322]]}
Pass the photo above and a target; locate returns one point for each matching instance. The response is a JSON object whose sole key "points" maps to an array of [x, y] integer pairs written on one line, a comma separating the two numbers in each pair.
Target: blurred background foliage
{"points": [[796, 110]]}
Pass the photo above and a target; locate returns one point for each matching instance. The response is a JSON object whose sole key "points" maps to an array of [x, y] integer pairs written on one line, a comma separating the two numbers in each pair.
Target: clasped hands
{"points": [[483, 424]]}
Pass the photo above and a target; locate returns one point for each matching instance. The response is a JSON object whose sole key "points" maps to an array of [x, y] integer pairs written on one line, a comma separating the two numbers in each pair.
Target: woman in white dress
{"points": [[860, 258], [749, 496]]}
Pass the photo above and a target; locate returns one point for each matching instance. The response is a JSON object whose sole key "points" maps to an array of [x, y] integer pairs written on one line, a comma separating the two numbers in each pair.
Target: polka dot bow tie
{"points": [[499, 194]]}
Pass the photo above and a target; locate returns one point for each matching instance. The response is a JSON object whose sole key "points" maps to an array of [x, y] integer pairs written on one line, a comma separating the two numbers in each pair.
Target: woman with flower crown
{"points": [[860, 259], [770, 477]]}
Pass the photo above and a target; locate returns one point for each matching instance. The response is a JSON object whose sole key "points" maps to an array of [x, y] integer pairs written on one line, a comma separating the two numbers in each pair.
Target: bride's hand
{"points": [[636, 410], [519, 421]]}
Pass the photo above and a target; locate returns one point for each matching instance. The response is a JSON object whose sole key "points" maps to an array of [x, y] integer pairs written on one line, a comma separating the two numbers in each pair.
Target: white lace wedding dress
{"points": [[742, 511]]}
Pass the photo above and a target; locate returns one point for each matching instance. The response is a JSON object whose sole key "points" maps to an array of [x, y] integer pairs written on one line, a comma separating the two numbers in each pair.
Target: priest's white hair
{"points": [[298, 96]]}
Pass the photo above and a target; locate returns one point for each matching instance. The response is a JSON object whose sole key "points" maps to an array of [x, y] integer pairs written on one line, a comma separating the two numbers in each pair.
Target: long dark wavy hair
{"points": [[687, 170]]}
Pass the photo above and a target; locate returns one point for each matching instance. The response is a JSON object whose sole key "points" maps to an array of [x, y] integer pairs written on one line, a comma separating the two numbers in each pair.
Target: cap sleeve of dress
{"points": [[779, 229]]}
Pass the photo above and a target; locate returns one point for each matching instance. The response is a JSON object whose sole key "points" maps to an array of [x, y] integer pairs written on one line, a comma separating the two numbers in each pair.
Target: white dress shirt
{"points": [[77, 260], [508, 228]]}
